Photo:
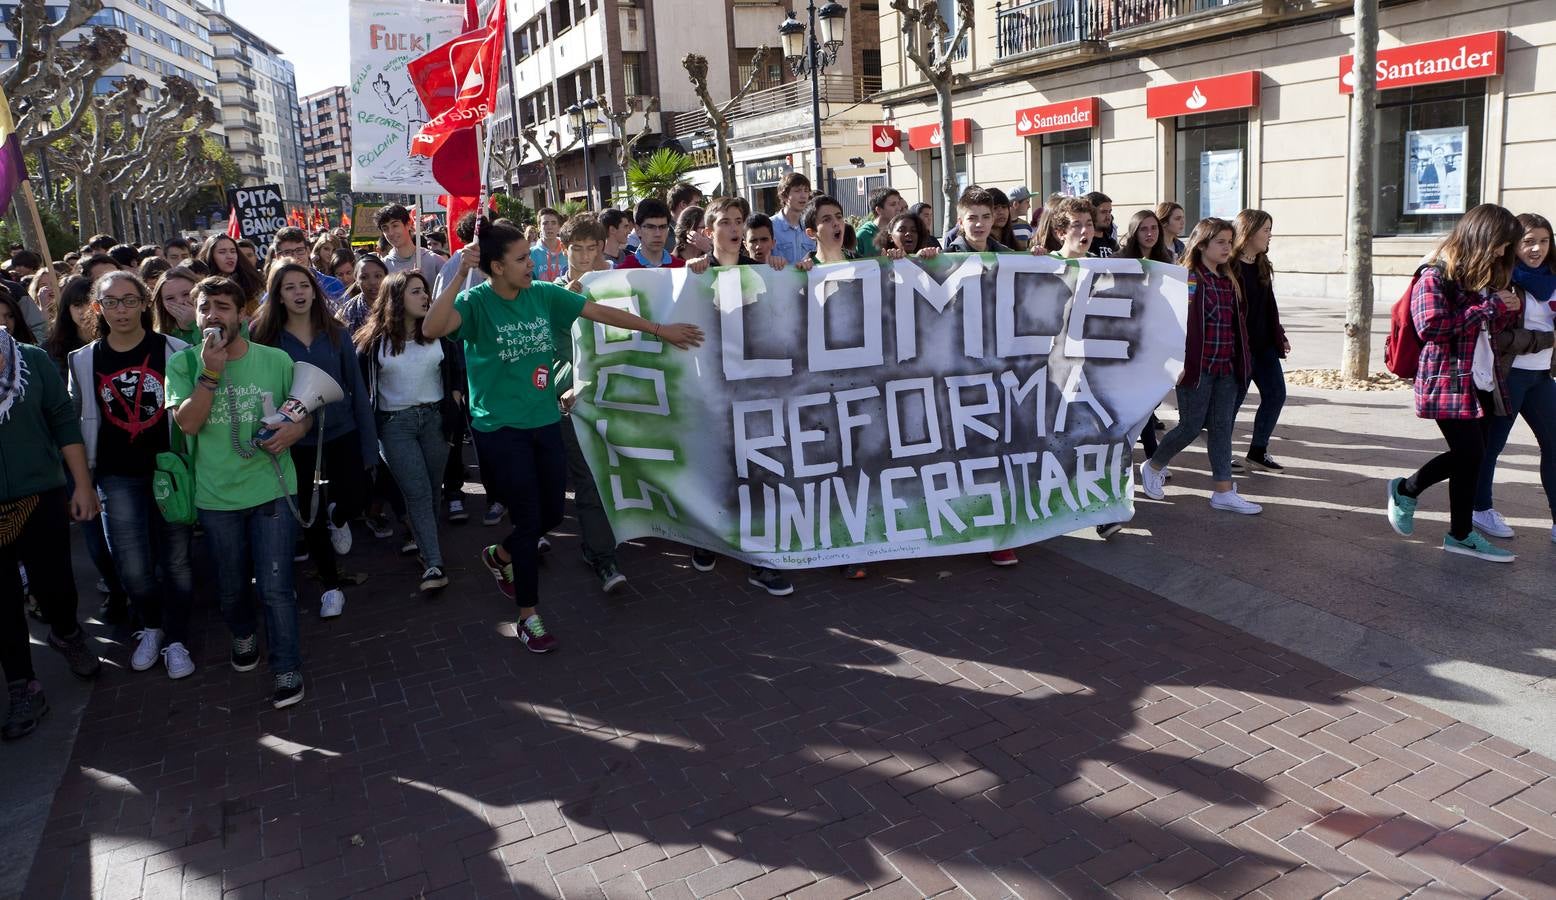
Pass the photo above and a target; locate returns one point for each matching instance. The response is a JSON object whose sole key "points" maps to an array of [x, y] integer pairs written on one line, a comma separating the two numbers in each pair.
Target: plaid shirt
{"points": [[1218, 303], [1448, 325]]}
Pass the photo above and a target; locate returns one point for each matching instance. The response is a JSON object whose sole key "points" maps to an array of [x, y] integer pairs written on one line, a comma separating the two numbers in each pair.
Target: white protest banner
{"points": [[877, 409], [385, 111]]}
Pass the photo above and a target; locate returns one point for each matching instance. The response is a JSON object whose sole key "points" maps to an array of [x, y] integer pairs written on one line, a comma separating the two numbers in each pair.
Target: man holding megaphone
{"points": [[220, 391]]}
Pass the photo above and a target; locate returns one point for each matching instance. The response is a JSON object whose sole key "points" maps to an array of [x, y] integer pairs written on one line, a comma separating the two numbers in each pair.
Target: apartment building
{"points": [[627, 51], [165, 37], [259, 107], [1226, 104], [326, 132]]}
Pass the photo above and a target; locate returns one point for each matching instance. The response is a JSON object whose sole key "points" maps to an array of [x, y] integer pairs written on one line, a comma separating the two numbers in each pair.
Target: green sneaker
{"points": [[1477, 546], [1402, 509]]}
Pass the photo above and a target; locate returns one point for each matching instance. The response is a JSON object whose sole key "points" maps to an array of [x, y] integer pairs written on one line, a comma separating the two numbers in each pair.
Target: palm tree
{"points": [[657, 175]]}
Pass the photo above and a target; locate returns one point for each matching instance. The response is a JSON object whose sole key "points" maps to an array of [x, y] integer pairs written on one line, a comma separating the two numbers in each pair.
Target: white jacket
{"points": [[81, 381]]}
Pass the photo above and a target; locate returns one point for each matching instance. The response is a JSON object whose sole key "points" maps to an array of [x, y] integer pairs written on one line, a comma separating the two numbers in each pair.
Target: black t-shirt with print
{"points": [[130, 390]]}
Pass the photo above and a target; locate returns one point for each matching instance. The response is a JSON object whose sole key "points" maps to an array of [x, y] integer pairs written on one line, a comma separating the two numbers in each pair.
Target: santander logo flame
{"points": [[1196, 100], [1024, 123], [1350, 78], [883, 141], [935, 137]]}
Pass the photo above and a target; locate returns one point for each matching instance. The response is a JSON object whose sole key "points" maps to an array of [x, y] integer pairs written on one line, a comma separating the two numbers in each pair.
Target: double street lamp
{"points": [[808, 52], [584, 122]]}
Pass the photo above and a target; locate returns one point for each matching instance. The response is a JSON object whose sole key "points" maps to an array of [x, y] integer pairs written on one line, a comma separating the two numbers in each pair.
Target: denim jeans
{"points": [[525, 469], [257, 543], [599, 541], [94, 534], [1213, 404], [44, 548], [412, 444], [1532, 394], [150, 553], [1270, 379]]}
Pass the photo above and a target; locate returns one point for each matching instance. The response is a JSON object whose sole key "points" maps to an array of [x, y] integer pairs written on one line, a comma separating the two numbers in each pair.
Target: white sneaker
{"points": [[332, 603], [340, 536], [145, 655], [1489, 521], [1231, 501], [1151, 482], [177, 660], [1238, 466]]}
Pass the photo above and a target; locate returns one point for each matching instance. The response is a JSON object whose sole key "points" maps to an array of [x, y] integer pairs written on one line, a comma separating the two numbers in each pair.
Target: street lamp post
{"points": [[808, 52], [582, 116]]}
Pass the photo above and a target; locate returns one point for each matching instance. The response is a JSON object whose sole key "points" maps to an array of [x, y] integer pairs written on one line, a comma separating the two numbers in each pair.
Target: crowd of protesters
{"points": [[123, 356]]}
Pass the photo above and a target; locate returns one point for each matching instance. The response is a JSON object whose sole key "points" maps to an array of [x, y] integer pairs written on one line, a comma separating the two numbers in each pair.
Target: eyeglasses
{"points": [[117, 302]]}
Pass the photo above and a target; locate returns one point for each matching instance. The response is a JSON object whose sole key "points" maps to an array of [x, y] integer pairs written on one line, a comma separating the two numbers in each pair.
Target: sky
{"points": [[310, 33]]}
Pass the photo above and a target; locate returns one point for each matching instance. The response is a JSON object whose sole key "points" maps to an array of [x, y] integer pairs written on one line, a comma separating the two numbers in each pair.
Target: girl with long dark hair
{"points": [[1174, 222], [411, 381], [119, 383], [1450, 303], [296, 318], [1216, 367], [223, 256], [1266, 338], [1143, 239], [1525, 365], [173, 305]]}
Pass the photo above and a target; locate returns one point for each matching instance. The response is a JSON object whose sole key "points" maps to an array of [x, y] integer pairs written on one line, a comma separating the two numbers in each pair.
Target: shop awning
{"points": [[1453, 59], [1187, 98]]}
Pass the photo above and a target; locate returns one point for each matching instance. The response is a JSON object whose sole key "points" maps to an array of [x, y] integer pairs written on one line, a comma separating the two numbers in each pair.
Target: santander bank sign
{"points": [[1454, 59], [1067, 116]]}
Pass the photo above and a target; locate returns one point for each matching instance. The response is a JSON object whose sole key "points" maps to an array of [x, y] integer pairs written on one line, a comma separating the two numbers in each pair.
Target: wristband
{"points": [[211, 374], [207, 384]]}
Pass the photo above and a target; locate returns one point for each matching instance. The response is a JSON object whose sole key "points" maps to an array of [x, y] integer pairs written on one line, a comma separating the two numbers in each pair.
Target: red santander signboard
{"points": [[1187, 98], [1068, 116], [884, 138], [927, 137], [1454, 59]]}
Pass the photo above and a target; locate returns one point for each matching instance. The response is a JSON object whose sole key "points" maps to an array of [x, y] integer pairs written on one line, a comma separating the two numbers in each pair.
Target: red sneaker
{"points": [[501, 571], [1003, 558], [533, 633]]}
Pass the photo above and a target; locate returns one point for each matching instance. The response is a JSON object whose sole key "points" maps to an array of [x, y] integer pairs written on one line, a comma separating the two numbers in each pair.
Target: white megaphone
{"points": [[312, 390]]}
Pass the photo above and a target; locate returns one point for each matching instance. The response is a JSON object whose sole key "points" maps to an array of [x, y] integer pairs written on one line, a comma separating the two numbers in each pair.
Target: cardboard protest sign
{"points": [[260, 211], [385, 111], [877, 409]]}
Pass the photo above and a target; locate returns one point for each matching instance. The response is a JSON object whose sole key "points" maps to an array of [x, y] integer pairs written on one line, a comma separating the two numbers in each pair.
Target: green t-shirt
{"points": [[864, 240], [223, 479], [509, 349]]}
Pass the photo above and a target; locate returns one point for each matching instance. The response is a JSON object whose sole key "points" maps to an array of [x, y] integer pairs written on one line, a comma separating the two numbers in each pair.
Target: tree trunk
{"points": [[1356, 361], [726, 158], [947, 150]]}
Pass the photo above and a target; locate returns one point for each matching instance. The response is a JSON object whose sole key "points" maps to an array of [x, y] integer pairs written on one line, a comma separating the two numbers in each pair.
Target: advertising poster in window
{"points": [[1075, 178], [1220, 183], [1434, 171]]}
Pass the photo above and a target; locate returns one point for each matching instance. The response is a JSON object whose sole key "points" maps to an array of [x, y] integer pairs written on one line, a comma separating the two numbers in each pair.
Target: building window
{"points": [[933, 188], [1428, 156], [1213, 164], [632, 74], [1065, 158]]}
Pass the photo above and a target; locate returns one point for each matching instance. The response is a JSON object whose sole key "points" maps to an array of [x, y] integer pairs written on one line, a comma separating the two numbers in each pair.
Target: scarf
{"points": [[13, 374], [1540, 283]]}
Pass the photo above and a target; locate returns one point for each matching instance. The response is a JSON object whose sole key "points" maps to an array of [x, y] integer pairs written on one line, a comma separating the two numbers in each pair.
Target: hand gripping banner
{"points": [[877, 409]]}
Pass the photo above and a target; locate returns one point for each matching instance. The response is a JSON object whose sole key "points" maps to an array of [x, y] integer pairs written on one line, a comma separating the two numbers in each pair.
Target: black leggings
{"points": [[1460, 467], [347, 489], [44, 548]]}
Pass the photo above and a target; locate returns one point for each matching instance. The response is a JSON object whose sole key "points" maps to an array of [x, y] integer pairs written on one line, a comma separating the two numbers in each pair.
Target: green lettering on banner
{"points": [[877, 409]]}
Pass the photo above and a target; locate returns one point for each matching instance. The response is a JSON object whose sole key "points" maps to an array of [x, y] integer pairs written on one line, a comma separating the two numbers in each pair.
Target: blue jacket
{"points": [[339, 361]]}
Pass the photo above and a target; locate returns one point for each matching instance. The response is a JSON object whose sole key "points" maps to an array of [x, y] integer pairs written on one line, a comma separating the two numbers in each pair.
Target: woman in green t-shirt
{"points": [[506, 326]]}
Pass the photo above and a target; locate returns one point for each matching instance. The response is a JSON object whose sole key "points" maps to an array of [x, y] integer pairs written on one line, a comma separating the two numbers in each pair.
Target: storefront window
{"points": [[1066, 161], [933, 190], [1428, 156], [1213, 164]]}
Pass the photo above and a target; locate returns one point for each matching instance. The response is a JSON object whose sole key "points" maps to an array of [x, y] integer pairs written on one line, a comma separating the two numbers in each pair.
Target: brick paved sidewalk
{"points": [[942, 729]]}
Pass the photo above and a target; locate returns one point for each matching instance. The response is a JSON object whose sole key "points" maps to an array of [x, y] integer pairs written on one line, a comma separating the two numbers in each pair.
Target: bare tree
{"points": [[626, 142], [51, 82], [1355, 359], [924, 24], [548, 158], [718, 115]]}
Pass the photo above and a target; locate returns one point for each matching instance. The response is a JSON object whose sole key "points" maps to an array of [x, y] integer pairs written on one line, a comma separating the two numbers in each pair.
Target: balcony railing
{"points": [[1032, 26], [791, 95]]}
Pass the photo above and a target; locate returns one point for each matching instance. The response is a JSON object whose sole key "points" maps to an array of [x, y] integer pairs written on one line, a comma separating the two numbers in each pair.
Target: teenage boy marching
{"points": [[974, 222], [217, 391], [790, 237]]}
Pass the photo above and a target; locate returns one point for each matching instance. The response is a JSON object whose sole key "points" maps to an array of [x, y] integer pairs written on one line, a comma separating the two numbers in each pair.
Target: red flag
{"points": [[459, 80], [345, 220], [234, 231], [472, 15], [457, 165]]}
